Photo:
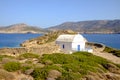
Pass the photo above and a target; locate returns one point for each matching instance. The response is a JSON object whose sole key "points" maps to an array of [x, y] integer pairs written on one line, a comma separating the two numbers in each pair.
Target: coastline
{"points": [[41, 45]]}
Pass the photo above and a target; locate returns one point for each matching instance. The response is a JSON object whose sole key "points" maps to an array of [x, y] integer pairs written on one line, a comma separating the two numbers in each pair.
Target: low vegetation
{"points": [[28, 55], [60, 66], [12, 66], [113, 51], [72, 66]]}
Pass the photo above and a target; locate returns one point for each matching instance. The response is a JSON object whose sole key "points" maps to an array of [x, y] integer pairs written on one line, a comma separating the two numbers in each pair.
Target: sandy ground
{"points": [[108, 56]]}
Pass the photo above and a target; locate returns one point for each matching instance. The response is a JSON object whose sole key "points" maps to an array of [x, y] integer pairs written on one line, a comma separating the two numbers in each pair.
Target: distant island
{"points": [[21, 28], [92, 26]]}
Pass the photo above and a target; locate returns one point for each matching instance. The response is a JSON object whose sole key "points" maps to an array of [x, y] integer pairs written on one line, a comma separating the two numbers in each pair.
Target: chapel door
{"points": [[78, 47]]}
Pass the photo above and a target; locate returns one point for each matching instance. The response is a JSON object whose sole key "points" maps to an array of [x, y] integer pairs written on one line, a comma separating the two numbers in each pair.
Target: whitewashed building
{"points": [[71, 43]]}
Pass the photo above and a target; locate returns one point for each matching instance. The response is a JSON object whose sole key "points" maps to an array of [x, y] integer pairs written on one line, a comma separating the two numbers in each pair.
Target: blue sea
{"points": [[14, 40], [111, 40]]}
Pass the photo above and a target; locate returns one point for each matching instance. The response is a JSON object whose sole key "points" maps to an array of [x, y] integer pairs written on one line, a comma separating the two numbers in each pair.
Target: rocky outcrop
{"points": [[41, 49], [12, 51], [53, 74], [101, 76]]}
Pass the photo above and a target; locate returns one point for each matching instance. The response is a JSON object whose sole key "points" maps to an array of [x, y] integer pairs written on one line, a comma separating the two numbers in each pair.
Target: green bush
{"points": [[71, 67], [118, 65], [117, 53], [29, 55], [39, 73], [24, 68], [12, 66], [58, 58]]}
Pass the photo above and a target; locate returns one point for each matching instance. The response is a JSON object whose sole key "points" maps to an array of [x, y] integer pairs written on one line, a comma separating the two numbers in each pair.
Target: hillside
{"points": [[57, 66], [21, 28], [94, 26], [47, 38]]}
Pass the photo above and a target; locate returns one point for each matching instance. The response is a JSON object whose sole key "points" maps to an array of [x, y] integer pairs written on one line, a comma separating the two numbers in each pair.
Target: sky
{"points": [[47, 13]]}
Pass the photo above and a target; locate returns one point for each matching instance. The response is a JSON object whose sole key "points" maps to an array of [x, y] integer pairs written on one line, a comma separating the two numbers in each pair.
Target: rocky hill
{"points": [[94, 26], [21, 28], [47, 38]]}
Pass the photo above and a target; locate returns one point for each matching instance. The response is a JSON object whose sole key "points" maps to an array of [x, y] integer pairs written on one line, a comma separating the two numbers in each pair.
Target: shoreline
{"points": [[45, 33]]}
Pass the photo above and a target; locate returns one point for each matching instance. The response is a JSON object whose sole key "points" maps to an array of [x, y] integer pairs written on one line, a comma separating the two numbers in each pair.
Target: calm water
{"points": [[13, 40], [111, 40]]}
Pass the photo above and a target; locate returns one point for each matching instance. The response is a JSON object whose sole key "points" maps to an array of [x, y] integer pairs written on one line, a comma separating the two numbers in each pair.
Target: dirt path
{"points": [[108, 56]]}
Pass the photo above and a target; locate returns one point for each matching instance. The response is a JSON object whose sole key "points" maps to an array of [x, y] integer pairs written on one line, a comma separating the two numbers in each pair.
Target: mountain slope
{"points": [[21, 28], [95, 26]]}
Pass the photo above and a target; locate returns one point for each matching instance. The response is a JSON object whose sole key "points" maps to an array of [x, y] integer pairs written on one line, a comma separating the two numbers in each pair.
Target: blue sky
{"points": [[46, 13]]}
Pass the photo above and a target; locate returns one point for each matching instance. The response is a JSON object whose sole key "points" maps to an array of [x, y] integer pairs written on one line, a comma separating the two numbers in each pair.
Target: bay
{"points": [[14, 40]]}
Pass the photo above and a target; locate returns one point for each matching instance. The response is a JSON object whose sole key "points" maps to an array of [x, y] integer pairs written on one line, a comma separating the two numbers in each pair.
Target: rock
{"points": [[111, 76], [48, 62], [6, 60], [50, 79], [89, 77], [112, 68], [54, 74], [39, 65], [4, 75], [29, 71]]}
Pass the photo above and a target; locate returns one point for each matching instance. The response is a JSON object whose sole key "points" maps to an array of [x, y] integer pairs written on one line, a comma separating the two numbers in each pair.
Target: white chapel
{"points": [[71, 43]]}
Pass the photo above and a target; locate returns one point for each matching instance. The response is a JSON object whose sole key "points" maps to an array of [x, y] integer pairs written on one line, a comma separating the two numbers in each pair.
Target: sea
{"points": [[14, 40]]}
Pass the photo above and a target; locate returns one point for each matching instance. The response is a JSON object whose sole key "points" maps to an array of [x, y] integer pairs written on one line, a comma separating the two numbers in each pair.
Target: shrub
{"points": [[29, 55], [39, 73], [12, 66], [117, 53], [58, 58], [118, 65], [71, 67], [1, 57], [24, 68], [42, 73]]}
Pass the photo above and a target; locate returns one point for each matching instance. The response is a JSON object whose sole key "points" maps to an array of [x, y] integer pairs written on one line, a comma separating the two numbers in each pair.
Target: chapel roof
{"points": [[70, 38]]}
